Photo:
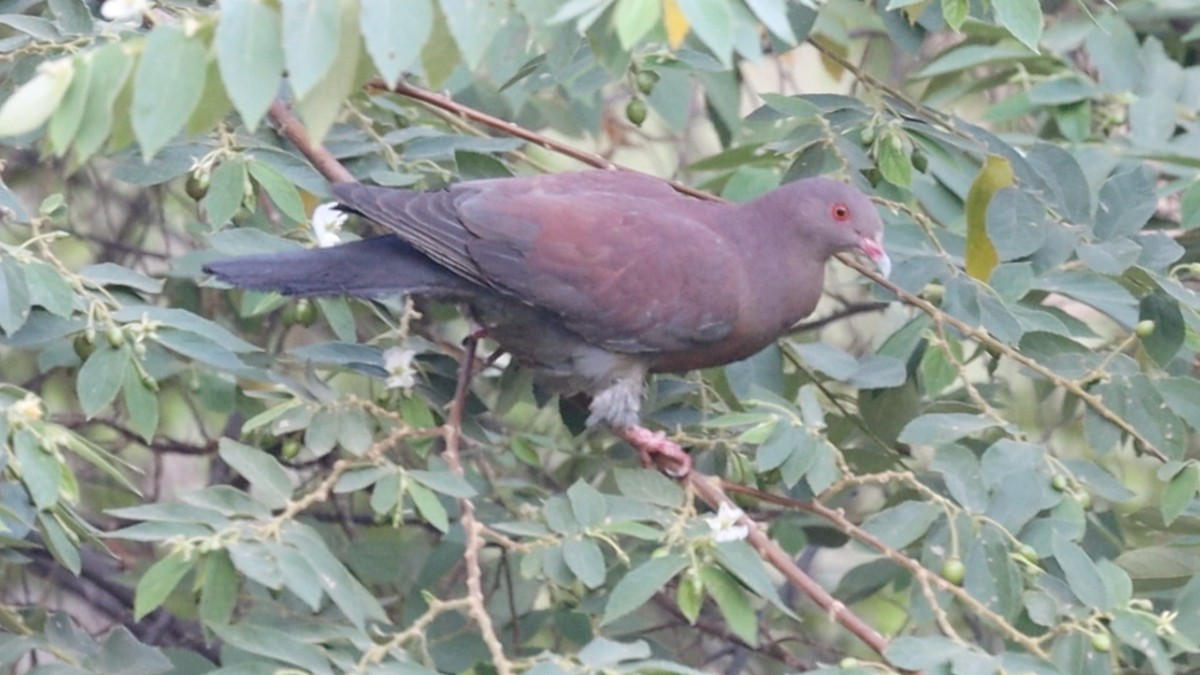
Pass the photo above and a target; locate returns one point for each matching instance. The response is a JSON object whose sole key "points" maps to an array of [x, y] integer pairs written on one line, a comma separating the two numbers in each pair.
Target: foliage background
{"points": [[988, 462]]}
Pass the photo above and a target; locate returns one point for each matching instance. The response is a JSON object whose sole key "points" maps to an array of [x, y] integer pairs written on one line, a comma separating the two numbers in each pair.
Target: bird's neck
{"points": [[783, 263]]}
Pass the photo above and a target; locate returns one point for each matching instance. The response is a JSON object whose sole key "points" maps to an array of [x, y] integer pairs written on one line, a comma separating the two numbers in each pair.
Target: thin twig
{"points": [[709, 489], [292, 129], [477, 604]]}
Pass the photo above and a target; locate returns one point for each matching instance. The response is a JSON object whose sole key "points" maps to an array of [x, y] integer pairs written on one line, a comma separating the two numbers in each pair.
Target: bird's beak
{"points": [[872, 247]]}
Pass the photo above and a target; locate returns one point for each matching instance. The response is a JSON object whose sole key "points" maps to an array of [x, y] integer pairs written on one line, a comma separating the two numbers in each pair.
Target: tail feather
{"points": [[370, 268]]}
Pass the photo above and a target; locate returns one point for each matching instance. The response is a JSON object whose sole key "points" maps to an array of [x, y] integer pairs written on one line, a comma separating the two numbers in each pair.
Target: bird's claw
{"points": [[671, 459]]}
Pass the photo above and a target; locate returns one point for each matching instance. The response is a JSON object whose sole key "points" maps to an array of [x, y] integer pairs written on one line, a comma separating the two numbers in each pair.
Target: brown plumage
{"points": [[594, 278]]}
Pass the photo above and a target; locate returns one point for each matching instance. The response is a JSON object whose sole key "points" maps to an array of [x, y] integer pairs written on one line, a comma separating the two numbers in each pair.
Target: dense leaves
{"points": [[990, 459]]}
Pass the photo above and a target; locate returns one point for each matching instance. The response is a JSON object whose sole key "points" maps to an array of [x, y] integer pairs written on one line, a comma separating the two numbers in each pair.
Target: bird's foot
{"points": [[671, 458]]}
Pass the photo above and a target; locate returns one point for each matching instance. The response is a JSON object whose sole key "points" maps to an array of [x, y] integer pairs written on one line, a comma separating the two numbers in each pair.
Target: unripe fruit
{"points": [[920, 160], [290, 448], [83, 347], [1101, 642], [1059, 482], [1144, 328], [954, 571], [646, 80], [115, 336], [636, 111], [197, 185], [302, 312]]}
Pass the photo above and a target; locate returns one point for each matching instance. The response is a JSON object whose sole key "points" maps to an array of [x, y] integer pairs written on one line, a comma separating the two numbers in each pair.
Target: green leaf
{"points": [[449, 484], [903, 524], [649, 486], [41, 472], [473, 23], [226, 188], [48, 289], [121, 652], [922, 653], [320, 107], [283, 193], [955, 13], [964, 479], [167, 87], [108, 71], [250, 56], [713, 23], [1082, 576], [1180, 492], [1169, 330], [585, 560], [218, 590], [1022, 18], [158, 582], [1127, 201], [198, 347], [429, 506], [732, 601], [348, 593], [63, 545], [394, 33], [68, 116], [640, 584], [274, 644], [1015, 223], [587, 503], [311, 37], [940, 428], [634, 18], [100, 378], [894, 163], [15, 300], [270, 481], [774, 15], [140, 404]]}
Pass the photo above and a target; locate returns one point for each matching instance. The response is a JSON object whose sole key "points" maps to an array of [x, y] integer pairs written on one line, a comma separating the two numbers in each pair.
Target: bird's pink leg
{"points": [[672, 459]]}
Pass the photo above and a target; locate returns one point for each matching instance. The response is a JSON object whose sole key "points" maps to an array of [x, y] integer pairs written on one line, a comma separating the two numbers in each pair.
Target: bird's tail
{"points": [[369, 268]]}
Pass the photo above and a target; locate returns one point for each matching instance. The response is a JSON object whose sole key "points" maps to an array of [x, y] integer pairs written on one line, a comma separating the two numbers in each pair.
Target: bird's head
{"points": [[834, 216]]}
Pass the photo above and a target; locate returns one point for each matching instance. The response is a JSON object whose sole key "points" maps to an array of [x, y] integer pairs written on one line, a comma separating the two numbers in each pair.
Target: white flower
{"points": [[398, 362], [28, 409], [724, 524], [326, 221], [125, 10]]}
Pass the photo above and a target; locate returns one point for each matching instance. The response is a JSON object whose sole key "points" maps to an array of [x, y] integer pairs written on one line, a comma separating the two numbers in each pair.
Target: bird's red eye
{"points": [[840, 212]]}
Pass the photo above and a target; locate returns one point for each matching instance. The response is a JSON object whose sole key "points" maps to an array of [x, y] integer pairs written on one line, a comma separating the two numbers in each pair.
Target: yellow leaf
{"points": [[676, 23], [995, 175]]}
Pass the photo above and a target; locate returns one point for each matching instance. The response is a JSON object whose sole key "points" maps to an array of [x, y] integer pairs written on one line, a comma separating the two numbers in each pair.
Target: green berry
{"points": [[302, 313], [849, 662], [1144, 328], [954, 571], [636, 112], [1084, 498], [1101, 642], [868, 135], [291, 448], [1059, 482], [920, 160], [115, 336], [83, 346], [646, 80], [197, 185]]}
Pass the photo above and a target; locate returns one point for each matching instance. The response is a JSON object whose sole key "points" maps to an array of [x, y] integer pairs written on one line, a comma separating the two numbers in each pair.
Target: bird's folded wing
{"points": [[625, 272]]}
